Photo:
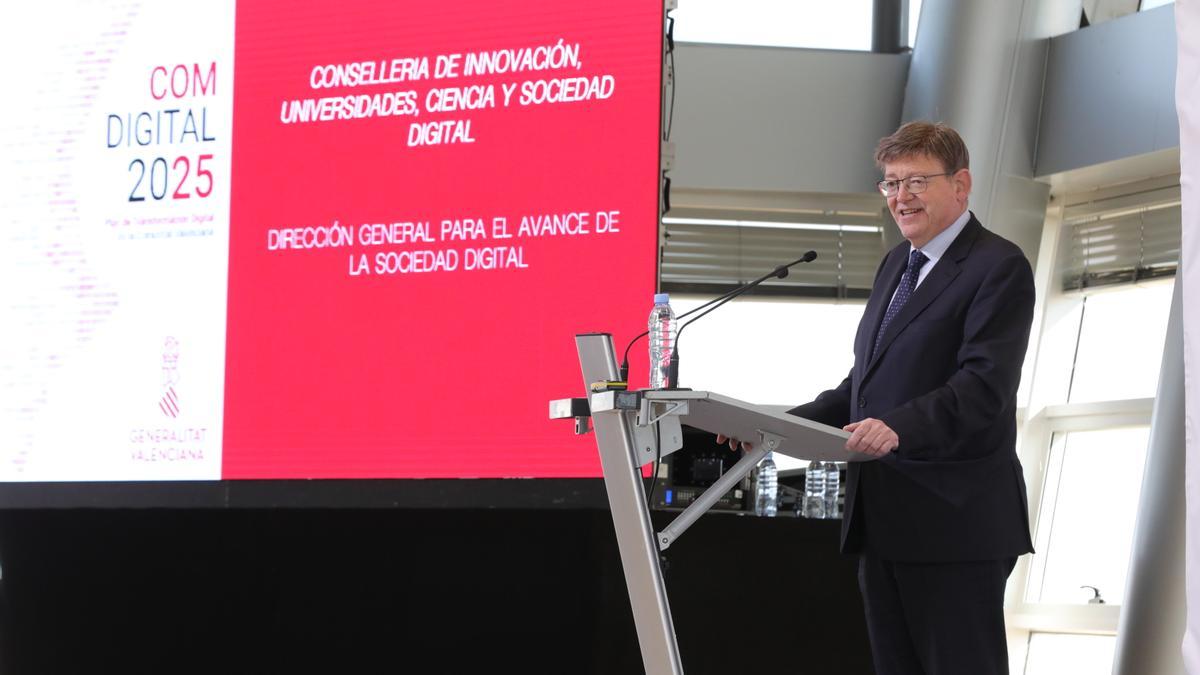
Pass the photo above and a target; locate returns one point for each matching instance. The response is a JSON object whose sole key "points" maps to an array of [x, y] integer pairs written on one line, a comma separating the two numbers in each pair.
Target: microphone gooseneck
{"points": [[779, 272]]}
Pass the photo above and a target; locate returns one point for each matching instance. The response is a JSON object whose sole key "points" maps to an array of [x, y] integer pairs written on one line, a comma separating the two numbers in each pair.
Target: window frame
{"points": [[1040, 417]]}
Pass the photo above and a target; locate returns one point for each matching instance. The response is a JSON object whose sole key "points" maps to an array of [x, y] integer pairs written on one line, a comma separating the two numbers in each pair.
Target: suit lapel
{"points": [[893, 268], [939, 278]]}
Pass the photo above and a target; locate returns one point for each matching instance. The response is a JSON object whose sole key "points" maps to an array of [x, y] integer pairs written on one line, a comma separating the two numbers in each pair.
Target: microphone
{"points": [[779, 272]]}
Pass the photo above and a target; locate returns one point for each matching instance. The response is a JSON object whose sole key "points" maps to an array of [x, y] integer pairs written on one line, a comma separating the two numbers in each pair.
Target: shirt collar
{"points": [[937, 247]]}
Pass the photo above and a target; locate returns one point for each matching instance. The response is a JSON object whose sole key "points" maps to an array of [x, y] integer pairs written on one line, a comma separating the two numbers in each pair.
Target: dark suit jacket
{"points": [[945, 380]]}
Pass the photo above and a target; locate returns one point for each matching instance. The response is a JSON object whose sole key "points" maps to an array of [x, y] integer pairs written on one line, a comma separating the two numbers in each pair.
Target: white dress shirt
{"points": [[936, 248]]}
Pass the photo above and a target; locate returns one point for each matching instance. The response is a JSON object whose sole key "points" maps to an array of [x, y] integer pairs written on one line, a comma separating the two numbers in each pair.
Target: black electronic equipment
{"points": [[686, 473]]}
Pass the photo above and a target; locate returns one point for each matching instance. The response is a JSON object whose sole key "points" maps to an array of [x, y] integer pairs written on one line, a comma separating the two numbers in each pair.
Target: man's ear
{"points": [[962, 183]]}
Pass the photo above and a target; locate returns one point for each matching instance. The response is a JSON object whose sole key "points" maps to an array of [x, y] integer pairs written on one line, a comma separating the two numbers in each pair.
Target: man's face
{"points": [[923, 216]]}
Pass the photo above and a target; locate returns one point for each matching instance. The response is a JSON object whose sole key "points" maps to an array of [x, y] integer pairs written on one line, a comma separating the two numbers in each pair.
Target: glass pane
{"points": [[914, 18], [1089, 504], [1060, 334], [845, 24], [768, 351], [1058, 653], [1121, 343]]}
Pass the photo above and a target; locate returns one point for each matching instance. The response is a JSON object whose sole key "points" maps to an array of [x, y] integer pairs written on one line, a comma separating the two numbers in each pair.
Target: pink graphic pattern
{"points": [[169, 403], [66, 300]]}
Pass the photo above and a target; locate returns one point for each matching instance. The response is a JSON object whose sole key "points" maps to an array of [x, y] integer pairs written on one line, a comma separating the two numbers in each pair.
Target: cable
{"points": [[666, 180], [639, 336], [657, 459], [671, 60]]}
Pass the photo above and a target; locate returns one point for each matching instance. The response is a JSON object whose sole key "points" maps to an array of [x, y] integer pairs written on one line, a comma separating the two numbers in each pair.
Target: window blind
{"points": [[1122, 239], [714, 258]]}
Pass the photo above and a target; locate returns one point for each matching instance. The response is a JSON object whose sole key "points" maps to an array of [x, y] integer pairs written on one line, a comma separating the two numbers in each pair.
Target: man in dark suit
{"points": [[940, 516]]}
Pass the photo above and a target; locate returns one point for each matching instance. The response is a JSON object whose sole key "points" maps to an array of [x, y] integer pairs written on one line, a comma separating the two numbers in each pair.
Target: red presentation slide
{"points": [[427, 202]]}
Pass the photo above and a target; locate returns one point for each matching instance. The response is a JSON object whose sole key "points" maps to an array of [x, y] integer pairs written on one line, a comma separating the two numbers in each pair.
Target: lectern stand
{"points": [[631, 429]]}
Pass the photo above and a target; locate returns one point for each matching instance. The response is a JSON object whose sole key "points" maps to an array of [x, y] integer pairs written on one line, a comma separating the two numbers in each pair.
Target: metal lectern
{"points": [[631, 429]]}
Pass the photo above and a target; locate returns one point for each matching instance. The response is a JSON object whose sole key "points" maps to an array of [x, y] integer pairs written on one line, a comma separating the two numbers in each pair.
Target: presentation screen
{"points": [[351, 239]]}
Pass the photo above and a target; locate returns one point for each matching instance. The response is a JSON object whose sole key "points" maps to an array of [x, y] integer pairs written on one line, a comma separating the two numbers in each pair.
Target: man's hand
{"points": [[870, 436], [733, 442]]}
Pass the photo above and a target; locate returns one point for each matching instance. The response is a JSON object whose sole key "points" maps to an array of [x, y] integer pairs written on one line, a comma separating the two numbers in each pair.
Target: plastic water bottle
{"points": [[833, 479], [767, 497], [814, 490], [662, 341]]}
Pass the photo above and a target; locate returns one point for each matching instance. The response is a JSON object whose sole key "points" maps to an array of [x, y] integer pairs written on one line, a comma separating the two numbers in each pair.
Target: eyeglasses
{"points": [[914, 184]]}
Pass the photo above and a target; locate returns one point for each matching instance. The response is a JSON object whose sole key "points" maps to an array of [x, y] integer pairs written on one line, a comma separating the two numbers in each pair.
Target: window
{"points": [[1099, 347], [845, 24], [736, 350], [1120, 343], [1057, 653], [1087, 515], [794, 338], [914, 18]]}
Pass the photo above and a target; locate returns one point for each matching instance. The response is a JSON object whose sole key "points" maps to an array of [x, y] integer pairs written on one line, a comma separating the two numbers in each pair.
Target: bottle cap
{"points": [[662, 298]]}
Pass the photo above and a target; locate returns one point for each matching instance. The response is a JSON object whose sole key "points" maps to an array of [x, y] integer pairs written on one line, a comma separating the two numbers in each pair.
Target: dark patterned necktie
{"points": [[916, 260]]}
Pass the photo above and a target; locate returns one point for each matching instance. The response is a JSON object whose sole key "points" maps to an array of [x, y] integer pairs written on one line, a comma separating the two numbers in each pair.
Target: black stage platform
{"points": [[423, 590]]}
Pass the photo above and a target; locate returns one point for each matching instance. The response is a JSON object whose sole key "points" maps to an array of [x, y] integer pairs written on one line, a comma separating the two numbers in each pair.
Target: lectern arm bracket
{"points": [[767, 442], [647, 413], [572, 408]]}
